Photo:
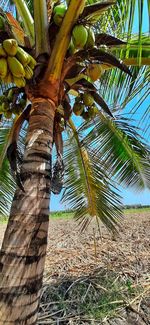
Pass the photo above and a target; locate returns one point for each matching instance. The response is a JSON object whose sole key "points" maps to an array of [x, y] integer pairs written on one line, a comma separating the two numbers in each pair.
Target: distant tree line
{"points": [[128, 206], [136, 206]]}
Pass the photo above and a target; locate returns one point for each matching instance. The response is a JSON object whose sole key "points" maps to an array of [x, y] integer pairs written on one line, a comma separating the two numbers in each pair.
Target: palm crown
{"points": [[90, 56]]}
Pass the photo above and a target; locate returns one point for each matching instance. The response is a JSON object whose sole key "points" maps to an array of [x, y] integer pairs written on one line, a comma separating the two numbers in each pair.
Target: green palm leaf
{"points": [[122, 149], [87, 188], [7, 184], [134, 53], [26, 16]]}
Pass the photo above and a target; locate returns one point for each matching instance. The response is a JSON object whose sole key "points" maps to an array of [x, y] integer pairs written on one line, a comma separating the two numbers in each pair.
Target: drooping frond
{"points": [[87, 188], [92, 12], [7, 184], [99, 55], [122, 149], [10, 131]]}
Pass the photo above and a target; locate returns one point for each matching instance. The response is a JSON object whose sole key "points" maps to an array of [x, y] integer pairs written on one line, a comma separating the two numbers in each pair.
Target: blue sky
{"points": [[129, 196]]}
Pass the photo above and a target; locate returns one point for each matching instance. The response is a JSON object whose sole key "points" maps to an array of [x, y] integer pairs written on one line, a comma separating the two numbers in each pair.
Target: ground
{"points": [[97, 278]]}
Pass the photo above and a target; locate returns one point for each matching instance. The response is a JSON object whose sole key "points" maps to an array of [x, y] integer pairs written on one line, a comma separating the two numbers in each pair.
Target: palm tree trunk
{"points": [[24, 247]]}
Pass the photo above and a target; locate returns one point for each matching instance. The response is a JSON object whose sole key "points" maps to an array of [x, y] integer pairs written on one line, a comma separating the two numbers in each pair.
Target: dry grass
{"points": [[97, 279]]}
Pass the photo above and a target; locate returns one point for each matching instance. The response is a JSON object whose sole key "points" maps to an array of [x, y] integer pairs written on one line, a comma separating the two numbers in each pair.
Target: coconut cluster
{"points": [[84, 106], [16, 65], [82, 36], [12, 103]]}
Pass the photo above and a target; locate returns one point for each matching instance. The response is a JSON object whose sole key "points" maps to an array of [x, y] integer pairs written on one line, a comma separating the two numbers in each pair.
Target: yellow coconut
{"points": [[94, 71], [88, 99]]}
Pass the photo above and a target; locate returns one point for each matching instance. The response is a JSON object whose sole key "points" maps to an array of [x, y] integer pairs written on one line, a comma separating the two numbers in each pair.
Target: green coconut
{"points": [[88, 99], [8, 114], [90, 39], [92, 111], [5, 106], [59, 13], [79, 36]]}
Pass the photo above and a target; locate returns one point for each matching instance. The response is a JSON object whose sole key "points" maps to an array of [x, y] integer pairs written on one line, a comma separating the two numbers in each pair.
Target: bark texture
{"points": [[23, 251]]}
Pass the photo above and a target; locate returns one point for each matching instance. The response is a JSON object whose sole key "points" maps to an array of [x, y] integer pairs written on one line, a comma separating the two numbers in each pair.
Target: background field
{"points": [[69, 214], [96, 278]]}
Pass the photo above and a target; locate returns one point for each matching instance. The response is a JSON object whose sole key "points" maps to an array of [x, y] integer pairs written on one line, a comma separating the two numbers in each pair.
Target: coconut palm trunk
{"points": [[24, 247]]}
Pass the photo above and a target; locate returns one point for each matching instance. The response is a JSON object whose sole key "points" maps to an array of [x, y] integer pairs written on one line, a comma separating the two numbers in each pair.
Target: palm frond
{"points": [[87, 188], [101, 56], [134, 50], [27, 19], [127, 94], [134, 90], [91, 13], [7, 184], [121, 17], [108, 40], [123, 150]]}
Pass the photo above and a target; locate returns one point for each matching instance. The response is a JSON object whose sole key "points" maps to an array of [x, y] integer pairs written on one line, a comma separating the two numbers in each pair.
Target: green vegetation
{"points": [[137, 210], [91, 297], [61, 214], [68, 214], [3, 219]]}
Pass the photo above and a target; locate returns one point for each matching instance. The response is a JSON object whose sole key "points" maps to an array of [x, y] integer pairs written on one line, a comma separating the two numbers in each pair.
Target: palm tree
{"points": [[104, 147]]}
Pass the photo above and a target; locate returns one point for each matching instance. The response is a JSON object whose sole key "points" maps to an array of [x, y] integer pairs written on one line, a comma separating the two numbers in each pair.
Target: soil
{"points": [[73, 255]]}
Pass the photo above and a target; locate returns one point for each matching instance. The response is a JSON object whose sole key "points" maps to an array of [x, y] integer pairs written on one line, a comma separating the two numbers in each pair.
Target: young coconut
{"points": [[59, 13], [78, 108], [88, 99], [79, 36], [94, 71], [10, 46], [92, 111], [90, 39]]}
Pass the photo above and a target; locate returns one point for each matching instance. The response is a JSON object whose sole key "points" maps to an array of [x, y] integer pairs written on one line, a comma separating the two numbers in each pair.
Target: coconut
{"points": [[79, 36], [78, 108], [88, 100], [94, 71], [92, 111], [59, 13], [90, 39]]}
